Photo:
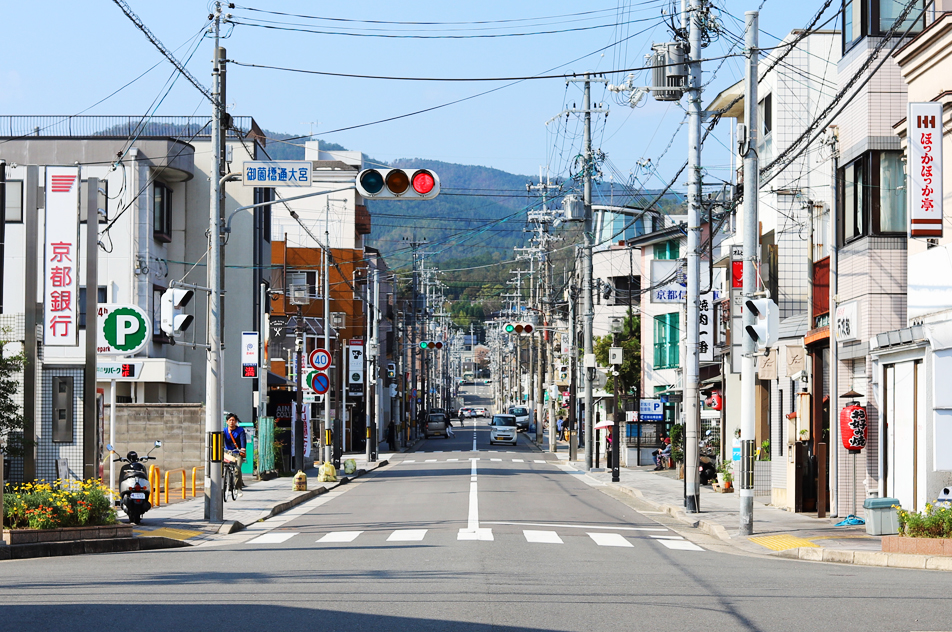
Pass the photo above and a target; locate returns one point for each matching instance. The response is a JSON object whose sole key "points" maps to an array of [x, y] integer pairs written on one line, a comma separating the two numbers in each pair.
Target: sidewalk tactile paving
{"points": [[782, 542]]}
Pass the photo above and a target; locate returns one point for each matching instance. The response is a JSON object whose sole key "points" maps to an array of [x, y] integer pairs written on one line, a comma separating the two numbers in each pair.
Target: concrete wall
{"points": [[180, 427]]}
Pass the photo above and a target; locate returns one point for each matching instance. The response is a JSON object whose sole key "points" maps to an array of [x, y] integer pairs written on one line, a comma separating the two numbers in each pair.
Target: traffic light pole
{"points": [[748, 366], [589, 313]]}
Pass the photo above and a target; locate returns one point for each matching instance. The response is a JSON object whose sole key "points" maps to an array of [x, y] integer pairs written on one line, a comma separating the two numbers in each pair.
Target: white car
{"points": [[503, 429], [522, 416], [481, 412]]}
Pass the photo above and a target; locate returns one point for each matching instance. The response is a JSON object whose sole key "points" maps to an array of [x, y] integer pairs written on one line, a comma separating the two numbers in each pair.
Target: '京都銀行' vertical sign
{"points": [[61, 258]]}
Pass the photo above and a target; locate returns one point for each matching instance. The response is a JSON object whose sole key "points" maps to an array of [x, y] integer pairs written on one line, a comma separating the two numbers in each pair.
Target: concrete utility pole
{"points": [[328, 422], [587, 271], [214, 422], [573, 373], [691, 364], [748, 371]]}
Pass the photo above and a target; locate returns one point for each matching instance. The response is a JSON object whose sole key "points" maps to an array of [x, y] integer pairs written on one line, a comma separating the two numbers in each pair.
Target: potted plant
{"points": [[677, 447], [804, 435], [724, 475]]}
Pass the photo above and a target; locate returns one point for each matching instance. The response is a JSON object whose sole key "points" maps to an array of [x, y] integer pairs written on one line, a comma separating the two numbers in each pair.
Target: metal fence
{"points": [[762, 486], [265, 444], [23, 126]]}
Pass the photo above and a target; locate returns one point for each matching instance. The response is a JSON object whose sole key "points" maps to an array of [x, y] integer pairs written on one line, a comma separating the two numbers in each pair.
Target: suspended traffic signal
{"points": [[519, 328], [174, 320], [398, 184], [431, 345]]}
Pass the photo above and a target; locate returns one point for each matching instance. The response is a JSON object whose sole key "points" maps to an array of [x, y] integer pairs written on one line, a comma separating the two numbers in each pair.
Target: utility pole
{"points": [[214, 510], [328, 423], [748, 362], [573, 373], [587, 271], [692, 412]]}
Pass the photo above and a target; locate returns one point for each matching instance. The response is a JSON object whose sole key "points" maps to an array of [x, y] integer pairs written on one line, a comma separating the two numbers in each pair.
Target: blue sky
{"points": [[64, 57]]}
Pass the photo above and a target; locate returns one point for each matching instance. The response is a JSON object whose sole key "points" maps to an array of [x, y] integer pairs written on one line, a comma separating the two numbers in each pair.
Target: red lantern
{"points": [[717, 402], [853, 427]]}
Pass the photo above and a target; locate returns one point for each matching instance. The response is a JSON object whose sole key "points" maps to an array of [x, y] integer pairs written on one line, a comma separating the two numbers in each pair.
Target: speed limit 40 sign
{"points": [[319, 359]]}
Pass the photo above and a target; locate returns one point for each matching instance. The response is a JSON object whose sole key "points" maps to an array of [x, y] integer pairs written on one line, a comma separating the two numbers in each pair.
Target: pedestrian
{"points": [[392, 436], [608, 448], [661, 456], [560, 426]]}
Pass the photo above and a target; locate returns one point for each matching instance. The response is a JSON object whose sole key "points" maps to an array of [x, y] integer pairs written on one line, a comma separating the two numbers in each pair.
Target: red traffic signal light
{"points": [[398, 184]]}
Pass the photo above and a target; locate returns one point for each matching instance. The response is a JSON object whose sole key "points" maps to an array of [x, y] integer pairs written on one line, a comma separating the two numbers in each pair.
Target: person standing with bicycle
{"points": [[236, 441]]}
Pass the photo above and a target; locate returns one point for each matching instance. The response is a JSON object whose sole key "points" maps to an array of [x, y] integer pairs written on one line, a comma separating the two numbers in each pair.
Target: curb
{"points": [[869, 558], [83, 547], [710, 528]]}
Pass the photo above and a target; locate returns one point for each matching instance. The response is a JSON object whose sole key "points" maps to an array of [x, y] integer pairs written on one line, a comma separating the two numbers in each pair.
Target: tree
{"points": [[12, 442], [629, 372]]}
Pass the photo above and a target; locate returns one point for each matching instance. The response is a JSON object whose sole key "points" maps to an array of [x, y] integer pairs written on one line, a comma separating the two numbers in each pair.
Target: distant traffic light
{"points": [[398, 184], [431, 345], [519, 328], [391, 371], [766, 330], [174, 320]]}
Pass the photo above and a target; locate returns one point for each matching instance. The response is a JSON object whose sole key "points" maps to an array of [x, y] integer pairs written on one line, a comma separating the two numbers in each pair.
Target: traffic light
{"points": [[174, 319], [562, 377], [766, 330], [431, 345], [519, 328], [398, 184], [391, 371]]}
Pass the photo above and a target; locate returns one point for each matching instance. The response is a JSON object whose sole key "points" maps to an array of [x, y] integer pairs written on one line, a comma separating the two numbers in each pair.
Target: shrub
{"points": [[40, 505], [934, 522]]}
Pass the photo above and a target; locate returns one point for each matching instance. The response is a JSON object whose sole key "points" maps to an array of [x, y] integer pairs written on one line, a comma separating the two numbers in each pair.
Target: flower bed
{"points": [[63, 504], [917, 546], [934, 522]]}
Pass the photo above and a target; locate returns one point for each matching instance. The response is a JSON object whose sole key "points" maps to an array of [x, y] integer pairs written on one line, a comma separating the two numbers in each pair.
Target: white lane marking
{"points": [[274, 538], [452, 460], [544, 537], [539, 461], [609, 539], [681, 545], [472, 530], [667, 537], [495, 459], [410, 461], [430, 461], [407, 535], [518, 461], [340, 536], [579, 526]]}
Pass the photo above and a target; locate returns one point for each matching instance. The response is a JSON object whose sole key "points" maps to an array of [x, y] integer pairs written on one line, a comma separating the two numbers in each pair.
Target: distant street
{"points": [[452, 538]]}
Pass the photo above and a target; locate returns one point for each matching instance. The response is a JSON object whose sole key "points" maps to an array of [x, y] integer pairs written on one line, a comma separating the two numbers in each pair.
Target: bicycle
{"points": [[229, 475]]}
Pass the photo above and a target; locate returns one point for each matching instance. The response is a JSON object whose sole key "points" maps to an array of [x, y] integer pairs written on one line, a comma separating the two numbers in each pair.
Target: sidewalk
{"points": [[776, 531]]}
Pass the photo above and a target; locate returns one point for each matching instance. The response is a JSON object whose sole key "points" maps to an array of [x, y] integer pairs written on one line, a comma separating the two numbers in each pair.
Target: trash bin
{"points": [[881, 517]]}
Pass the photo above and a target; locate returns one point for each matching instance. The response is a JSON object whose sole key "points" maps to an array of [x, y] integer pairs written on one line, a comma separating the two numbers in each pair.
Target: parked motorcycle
{"points": [[134, 483], [707, 467]]}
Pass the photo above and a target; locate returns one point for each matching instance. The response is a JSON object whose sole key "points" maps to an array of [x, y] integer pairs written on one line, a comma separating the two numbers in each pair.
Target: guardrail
{"points": [[167, 474], [194, 474]]}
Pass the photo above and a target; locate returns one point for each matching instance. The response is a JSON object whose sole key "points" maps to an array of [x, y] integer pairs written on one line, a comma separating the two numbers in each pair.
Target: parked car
{"points": [[436, 424], [503, 429], [522, 416]]}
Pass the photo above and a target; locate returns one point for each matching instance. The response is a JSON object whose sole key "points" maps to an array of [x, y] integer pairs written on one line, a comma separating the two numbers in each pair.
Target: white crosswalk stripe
{"points": [[539, 461], [340, 536], [681, 545], [544, 537], [276, 537], [609, 539], [407, 535]]}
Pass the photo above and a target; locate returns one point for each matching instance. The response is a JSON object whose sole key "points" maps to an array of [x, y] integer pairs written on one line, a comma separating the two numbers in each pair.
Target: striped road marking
{"points": [[609, 539], [407, 535], [340, 536], [543, 537], [681, 545], [274, 538]]}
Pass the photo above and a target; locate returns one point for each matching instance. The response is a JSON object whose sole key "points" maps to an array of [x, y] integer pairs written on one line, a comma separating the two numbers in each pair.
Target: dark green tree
{"points": [[12, 442], [629, 373]]}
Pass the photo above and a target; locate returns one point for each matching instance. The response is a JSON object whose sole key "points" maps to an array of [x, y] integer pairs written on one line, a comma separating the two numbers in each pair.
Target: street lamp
{"points": [[615, 359], [298, 296]]}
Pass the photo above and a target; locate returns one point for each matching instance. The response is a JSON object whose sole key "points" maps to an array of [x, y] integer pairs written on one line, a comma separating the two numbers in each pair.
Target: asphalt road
{"points": [[448, 538]]}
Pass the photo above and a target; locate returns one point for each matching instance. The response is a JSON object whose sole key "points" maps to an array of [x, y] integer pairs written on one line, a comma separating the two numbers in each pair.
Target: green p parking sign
{"points": [[122, 329]]}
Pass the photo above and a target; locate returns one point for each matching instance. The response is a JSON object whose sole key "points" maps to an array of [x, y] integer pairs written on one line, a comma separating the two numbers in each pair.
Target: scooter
{"points": [[134, 483]]}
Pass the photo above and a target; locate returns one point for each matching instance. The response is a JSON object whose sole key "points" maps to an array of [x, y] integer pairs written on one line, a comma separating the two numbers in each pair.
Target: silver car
{"points": [[522, 416], [503, 429]]}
